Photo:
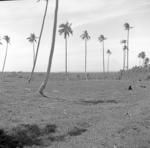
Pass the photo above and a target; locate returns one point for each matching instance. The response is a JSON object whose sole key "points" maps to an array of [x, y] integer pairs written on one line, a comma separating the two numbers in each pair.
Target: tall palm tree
{"points": [[108, 53], [124, 52], [102, 38], [7, 40], [85, 36], [127, 27], [40, 36], [66, 30], [33, 39], [44, 83]]}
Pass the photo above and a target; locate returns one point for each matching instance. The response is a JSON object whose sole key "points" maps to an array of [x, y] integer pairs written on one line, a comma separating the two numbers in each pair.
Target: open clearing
{"points": [[77, 113]]}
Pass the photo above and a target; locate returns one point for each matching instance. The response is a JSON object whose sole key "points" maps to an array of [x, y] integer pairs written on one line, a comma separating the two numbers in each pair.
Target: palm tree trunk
{"points": [[39, 41], [66, 58], [44, 83], [5, 58], [108, 64], [124, 59], [86, 58], [103, 58], [128, 49], [33, 53]]}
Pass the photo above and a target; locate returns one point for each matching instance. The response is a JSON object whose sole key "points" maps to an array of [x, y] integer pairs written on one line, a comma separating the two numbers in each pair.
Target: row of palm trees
{"points": [[85, 36], [6, 38]]}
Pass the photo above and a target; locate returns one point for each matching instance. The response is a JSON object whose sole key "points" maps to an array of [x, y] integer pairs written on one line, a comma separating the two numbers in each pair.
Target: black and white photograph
{"points": [[74, 73]]}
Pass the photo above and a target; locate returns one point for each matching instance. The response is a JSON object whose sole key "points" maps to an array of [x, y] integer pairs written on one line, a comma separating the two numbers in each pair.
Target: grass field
{"points": [[96, 113]]}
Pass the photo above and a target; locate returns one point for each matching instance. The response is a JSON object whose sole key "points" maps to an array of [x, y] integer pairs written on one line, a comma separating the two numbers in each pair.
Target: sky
{"points": [[20, 18]]}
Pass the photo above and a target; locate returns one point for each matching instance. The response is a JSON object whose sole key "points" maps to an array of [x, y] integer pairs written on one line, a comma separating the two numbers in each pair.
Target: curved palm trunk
{"points": [[66, 58], [103, 57], [5, 58], [44, 83], [38, 45], [33, 53], [86, 58], [127, 49]]}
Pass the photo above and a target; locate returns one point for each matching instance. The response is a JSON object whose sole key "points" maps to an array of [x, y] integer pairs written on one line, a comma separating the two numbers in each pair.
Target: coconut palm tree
{"points": [[102, 38], [139, 56], [44, 83], [127, 27], [33, 39], [40, 36], [146, 61], [66, 30], [85, 36], [142, 55], [108, 53], [7, 40], [124, 52]]}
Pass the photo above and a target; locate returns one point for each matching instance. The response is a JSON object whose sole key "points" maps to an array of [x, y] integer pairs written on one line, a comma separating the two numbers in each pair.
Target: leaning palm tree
{"points": [[33, 39], [39, 41], [124, 52], [108, 53], [7, 40], [44, 83], [102, 38], [85, 36], [127, 27], [66, 30]]}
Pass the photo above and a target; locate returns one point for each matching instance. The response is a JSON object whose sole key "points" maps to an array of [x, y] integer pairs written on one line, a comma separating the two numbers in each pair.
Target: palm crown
{"points": [[108, 52], [7, 39], [85, 35], [127, 26], [123, 41], [101, 38], [65, 29], [32, 38], [142, 55]]}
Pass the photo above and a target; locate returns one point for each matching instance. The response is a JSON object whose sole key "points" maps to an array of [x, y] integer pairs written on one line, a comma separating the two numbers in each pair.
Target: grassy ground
{"points": [[94, 113]]}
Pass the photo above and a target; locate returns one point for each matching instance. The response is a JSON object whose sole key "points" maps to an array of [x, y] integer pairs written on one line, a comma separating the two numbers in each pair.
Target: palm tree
{"points": [[33, 39], [146, 61], [127, 27], [124, 52], [66, 30], [40, 36], [142, 55], [108, 53], [139, 56], [44, 83], [102, 38], [85, 36], [7, 39]]}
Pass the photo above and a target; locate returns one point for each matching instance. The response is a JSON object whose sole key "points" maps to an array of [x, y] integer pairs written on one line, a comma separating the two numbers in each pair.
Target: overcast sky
{"points": [[19, 19]]}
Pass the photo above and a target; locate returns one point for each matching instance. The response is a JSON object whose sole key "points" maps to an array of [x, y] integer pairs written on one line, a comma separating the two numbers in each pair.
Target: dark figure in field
{"points": [[130, 87]]}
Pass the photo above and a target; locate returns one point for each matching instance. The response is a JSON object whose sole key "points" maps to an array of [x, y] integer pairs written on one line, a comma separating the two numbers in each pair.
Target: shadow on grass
{"points": [[31, 135], [27, 135], [95, 102], [76, 131]]}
